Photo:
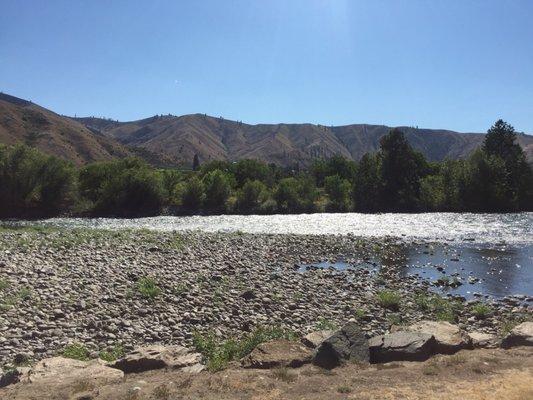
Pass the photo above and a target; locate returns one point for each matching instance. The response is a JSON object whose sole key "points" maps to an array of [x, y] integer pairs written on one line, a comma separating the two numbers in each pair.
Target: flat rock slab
{"points": [[60, 371], [449, 338], [156, 357], [278, 353], [402, 346], [520, 335], [347, 344], [315, 339], [481, 340]]}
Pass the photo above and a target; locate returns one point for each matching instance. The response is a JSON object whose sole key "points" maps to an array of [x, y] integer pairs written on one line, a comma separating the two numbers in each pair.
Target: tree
{"points": [[401, 170], [195, 163], [193, 194], [217, 190], [295, 195], [338, 191], [250, 197], [367, 184], [252, 170]]}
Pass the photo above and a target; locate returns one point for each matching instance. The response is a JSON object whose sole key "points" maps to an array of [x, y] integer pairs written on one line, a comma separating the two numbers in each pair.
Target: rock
{"points": [[248, 294], [348, 343], [484, 340], [402, 346], [520, 335], [12, 376], [449, 338], [156, 357], [278, 353], [66, 371], [315, 339]]}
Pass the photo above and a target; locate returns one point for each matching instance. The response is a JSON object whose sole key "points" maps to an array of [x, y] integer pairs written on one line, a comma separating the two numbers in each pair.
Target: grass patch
{"points": [[4, 284], [326, 325], [344, 389], [442, 309], [114, 354], [481, 310], [389, 299], [76, 351], [147, 288], [284, 374], [217, 354]]}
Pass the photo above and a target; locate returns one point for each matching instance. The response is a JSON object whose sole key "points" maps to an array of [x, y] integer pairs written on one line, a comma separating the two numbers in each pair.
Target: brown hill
{"points": [[211, 138], [22, 121]]}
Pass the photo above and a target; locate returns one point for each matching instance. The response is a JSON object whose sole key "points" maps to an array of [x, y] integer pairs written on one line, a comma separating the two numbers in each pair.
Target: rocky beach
{"points": [[104, 289]]}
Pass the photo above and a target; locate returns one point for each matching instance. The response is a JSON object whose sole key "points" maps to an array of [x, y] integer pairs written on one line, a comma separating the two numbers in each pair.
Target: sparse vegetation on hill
{"points": [[496, 178]]}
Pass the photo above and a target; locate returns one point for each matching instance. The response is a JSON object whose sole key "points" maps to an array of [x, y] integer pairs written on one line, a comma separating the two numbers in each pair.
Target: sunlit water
{"points": [[492, 254]]}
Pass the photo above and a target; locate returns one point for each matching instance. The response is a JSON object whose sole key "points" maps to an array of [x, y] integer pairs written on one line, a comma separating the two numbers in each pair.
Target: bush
{"points": [[76, 351], [217, 190], [33, 184], [193, 194]]}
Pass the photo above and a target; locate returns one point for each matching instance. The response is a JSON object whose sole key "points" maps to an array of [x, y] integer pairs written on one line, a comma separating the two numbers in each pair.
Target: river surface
{"points": [[490, 254]]}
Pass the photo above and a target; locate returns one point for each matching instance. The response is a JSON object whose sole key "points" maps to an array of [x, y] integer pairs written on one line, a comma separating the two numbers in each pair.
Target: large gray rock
{"points": [[348, 343], [521, 335], [481, 340], [157, 357], [12, 376], [449, 338], [402, 346], [66, 371], [278, 353], [315, 339]]}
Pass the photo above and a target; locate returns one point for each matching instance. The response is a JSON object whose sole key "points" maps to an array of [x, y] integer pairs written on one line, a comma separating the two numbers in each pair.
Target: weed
{"points": [[114, 354], [4, 284], [76, 351], [344, 389], [443, 309], [147, 288], [481, 310], [326, 325], [389, 299], [162, 392]]}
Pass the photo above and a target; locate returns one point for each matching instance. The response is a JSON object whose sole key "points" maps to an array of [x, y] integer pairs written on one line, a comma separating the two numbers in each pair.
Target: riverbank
{"points": [[111, 289]]}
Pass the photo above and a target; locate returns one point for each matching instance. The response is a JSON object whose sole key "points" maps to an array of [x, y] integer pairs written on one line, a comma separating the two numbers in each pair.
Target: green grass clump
{"points": [[481, 310], [217, 354], [4, 284], [442, 309], [147, 288], [114, 354], [326, 325], [76, 351], [389, 299]]}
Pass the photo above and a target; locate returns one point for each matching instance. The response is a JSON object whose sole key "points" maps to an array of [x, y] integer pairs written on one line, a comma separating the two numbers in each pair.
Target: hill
{"points": [[22, 121], [179, 138]]}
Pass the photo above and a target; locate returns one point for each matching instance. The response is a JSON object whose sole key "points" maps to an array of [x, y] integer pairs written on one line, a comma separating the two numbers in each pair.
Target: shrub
{"points": [[76, 351], [443, 309], [217, 190], [481, 310], [114, 354], [193, 194]]}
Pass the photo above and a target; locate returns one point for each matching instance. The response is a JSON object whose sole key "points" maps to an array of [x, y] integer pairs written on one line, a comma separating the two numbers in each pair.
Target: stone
{"points": [[484, 340], [66, 371], [520, 335], [402, 346], [12, 376], [156, 357], [278, 353], [449, 338], [315, 339], [347, 344]]}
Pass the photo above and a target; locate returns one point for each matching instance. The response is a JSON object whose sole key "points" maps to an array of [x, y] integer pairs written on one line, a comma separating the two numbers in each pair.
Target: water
{"points": [[491, 254], [514, 229]]}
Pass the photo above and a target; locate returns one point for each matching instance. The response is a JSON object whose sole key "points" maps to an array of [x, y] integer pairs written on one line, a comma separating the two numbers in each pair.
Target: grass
{"points": [[442, 309], [4, 284], [217, 354], [284, 374], [76, 351], [326, 325], [114, 354], [147, 288], [389, 299], [162, 392], [481, 310], [344, 389]]}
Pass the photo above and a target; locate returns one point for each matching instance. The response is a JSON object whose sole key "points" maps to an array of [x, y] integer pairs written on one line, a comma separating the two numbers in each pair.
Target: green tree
{"points": [[193, 194], [338, 191], [252, 170], [367, 184], [196, 163], [217, 190], [250, 197]]}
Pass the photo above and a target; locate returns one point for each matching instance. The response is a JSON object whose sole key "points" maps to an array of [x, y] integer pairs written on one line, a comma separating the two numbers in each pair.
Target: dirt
{"points": [[477, 375]]}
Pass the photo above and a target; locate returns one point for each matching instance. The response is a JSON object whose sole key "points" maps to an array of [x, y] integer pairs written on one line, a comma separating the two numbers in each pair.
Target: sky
{"points": [[454, 64]]}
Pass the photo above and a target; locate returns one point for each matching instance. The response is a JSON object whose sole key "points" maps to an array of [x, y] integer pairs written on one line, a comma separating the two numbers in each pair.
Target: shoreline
{"points": [[108, 288]]}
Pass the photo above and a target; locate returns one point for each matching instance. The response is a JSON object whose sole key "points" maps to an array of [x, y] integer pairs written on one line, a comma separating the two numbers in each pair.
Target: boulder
{"points": [[278, 353], [402, 346], [348, 343], [156, 357], [481, 340], [520, 335], [315, 339], [449, 338], [12, 376], [66, 371]]}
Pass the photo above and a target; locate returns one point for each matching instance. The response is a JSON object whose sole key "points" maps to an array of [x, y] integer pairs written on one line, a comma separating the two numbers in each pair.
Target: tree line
{"points": [[495, 178]]}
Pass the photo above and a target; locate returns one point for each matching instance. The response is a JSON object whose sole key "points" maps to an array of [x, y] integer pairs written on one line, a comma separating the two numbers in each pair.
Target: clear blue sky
{"points": [[438, 64]]}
